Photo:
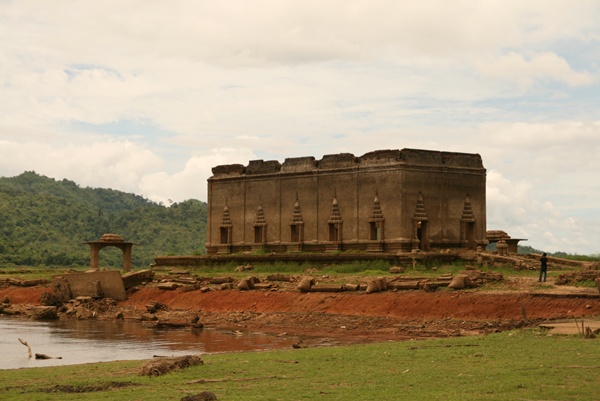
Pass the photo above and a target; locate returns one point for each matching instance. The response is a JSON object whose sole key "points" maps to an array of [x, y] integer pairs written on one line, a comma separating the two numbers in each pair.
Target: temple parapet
{"points": [[228, 170], [415, 157], [298, 164], [380, 157], [421, 157], [263, 167], [454, 159], [340, 160]]}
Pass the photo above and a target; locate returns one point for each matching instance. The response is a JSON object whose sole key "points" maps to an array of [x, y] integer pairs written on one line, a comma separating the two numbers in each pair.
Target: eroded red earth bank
{"points": [[354, 317]]}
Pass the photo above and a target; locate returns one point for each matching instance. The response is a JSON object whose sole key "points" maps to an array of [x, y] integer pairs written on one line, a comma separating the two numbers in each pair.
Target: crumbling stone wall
{"points": [[384, 201]]}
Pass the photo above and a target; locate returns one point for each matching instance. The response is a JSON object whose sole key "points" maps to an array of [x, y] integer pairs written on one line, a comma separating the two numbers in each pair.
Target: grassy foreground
{"points": [[517, 365]]}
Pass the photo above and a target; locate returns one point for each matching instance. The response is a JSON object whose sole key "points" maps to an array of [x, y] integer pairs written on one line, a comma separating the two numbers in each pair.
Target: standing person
{"points": [[543, 267]]}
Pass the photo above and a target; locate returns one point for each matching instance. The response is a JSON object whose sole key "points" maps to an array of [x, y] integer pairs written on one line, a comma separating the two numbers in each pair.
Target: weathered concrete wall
{"points": [[443, 183], [85, 284]]}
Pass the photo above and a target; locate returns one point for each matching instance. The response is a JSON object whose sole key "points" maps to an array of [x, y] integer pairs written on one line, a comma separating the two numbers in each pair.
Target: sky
{"points": [[146, 96]]}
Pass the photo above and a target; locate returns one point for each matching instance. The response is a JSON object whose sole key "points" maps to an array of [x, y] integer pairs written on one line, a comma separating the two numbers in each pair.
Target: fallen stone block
{"points": [[221, 280], [326, 288], [134, 278], [246, 284], [280, 277], [44, 313], [163, 366], [203, 396], [305, 284], [62, 289], [377, 285], [404, 285], [148, 317], [263, 286], [170, 286], [428, 286], [49, 299]]}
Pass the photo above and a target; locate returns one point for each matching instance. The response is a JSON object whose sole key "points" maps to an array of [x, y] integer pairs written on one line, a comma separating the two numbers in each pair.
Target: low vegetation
{"points": [[526, 365], [341, 271]]}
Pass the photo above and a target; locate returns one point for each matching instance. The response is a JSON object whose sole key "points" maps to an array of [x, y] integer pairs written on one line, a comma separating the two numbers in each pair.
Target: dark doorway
{"points": [[375, 231], [333, 232], [470, 234], [225, 235], [259, 234], [296, 233], [422, 235]]}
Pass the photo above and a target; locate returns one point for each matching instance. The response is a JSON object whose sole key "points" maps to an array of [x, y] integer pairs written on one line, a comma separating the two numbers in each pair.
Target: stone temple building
{"points": [[384, 201]]}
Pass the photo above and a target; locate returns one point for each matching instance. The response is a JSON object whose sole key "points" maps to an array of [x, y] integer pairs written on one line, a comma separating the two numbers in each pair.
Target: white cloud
{"points": [[515, 208], [527, 71], [148, 99], [111, 164], [191, 182]]}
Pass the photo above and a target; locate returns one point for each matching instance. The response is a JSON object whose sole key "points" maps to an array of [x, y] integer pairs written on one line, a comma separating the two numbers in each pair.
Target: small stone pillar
{"points": [[502, 247]]}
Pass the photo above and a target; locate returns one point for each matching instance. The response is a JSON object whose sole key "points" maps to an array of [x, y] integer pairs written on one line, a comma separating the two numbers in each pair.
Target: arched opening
{"points": [[110, 240], [110, 257]]}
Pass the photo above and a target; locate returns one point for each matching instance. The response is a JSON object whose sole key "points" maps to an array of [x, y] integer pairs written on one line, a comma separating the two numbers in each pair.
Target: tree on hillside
{"points": [[44, 222]]}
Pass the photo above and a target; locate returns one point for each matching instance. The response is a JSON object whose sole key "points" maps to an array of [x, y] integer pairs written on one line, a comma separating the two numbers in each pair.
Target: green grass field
{"points": [[516, 365]]}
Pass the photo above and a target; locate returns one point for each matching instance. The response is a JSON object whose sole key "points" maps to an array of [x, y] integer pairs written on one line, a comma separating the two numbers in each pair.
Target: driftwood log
{"points": [[37, 356], [25, 343], [44, 356]]}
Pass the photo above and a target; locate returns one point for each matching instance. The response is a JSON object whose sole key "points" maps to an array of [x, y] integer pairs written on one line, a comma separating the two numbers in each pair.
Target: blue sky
{"points": [[148, 99]]}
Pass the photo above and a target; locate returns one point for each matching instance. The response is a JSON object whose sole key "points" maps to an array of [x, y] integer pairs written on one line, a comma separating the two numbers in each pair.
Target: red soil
{"points": [[399, 305], [356, 317]]}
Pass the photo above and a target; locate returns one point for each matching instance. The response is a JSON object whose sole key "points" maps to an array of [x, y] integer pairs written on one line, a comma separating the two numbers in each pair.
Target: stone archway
{"points": [[110, 240]]}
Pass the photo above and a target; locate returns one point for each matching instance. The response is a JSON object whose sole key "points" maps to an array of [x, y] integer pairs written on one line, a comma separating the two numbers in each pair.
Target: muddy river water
{"points": [[88, 341]]}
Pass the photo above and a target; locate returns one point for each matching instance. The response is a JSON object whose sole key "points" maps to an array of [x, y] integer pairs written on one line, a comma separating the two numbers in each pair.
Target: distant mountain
{"points": [[43, 222]]}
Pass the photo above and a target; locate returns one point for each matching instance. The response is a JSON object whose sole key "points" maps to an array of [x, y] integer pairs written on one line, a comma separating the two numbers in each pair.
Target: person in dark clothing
{"points": [[543, 267]]}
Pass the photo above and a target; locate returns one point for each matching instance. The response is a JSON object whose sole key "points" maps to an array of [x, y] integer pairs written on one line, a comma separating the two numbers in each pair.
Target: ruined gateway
{"points": [[384, 201]]}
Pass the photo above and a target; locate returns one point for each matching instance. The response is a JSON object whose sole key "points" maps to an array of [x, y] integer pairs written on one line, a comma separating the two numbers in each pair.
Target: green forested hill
{"points": [[44, 222]]}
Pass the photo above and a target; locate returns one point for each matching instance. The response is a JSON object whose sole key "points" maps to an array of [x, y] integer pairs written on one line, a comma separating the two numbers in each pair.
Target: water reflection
{"points": [[87, 341]]}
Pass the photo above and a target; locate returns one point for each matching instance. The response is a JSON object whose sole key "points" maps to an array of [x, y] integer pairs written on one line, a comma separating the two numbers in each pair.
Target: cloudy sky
{"points": [[146, 96]]}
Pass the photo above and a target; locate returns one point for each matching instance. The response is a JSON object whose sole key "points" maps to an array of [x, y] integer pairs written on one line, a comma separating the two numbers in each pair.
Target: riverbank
{"points": [[345, 317], [521, 364]]}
